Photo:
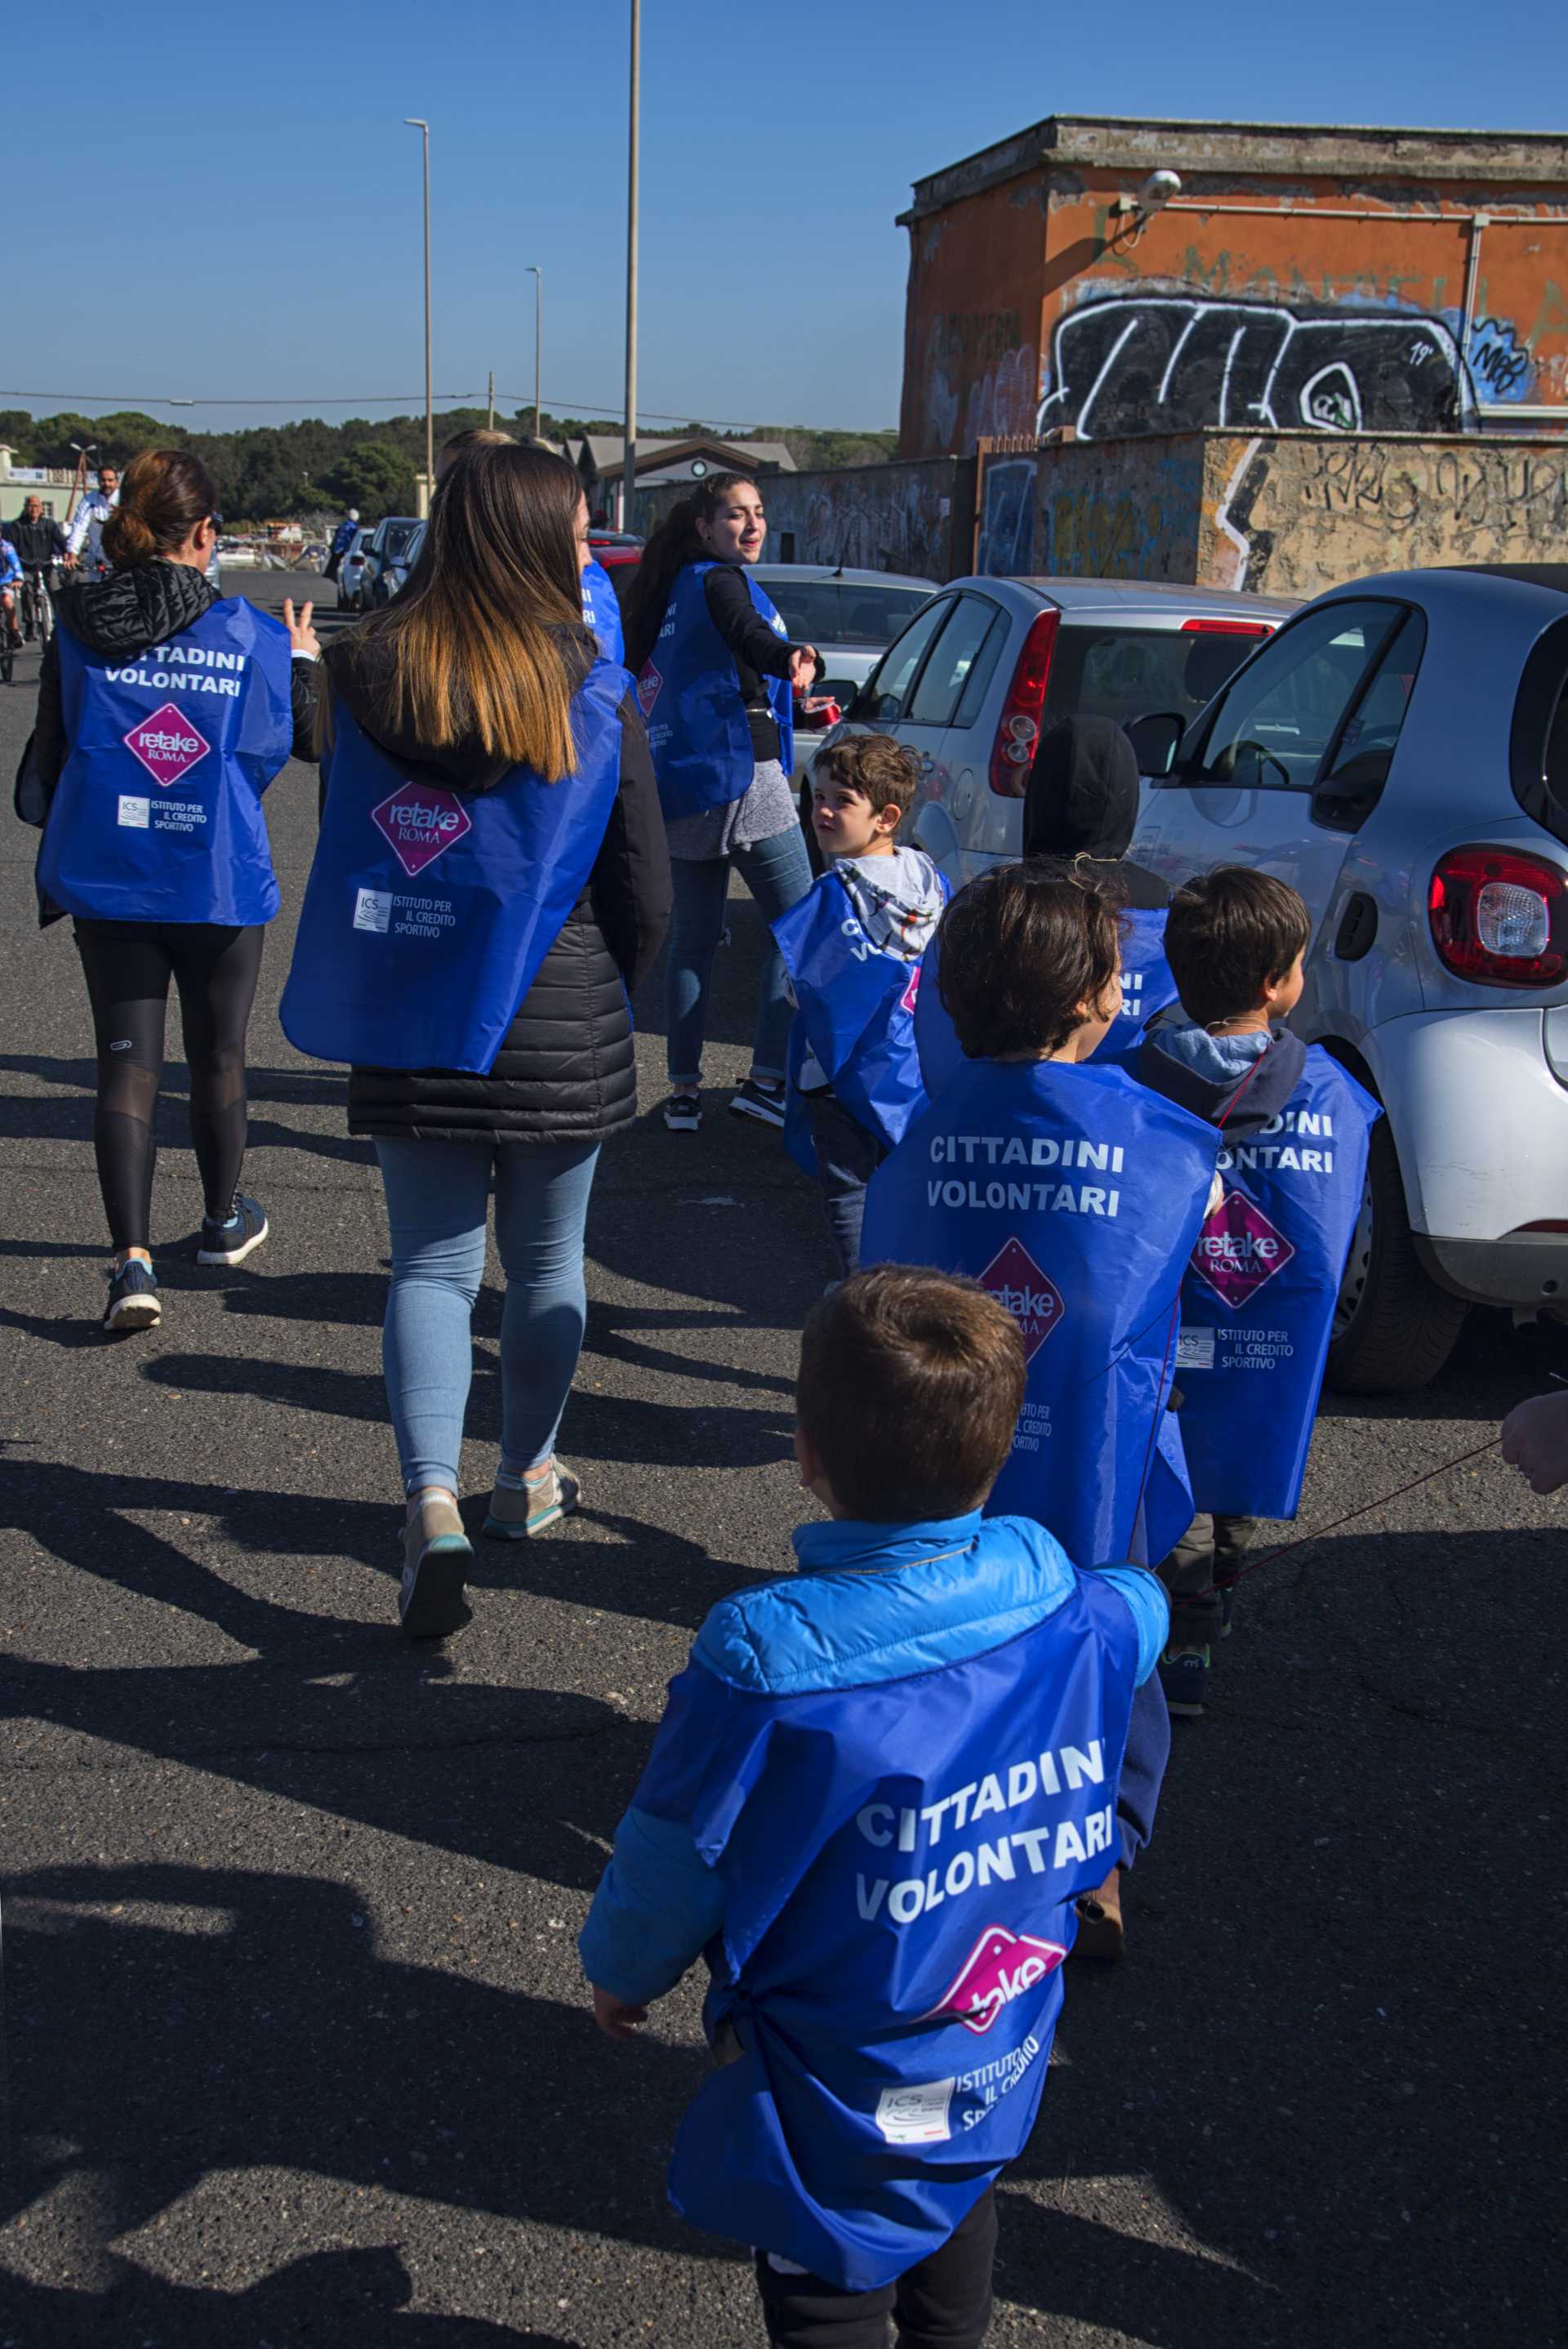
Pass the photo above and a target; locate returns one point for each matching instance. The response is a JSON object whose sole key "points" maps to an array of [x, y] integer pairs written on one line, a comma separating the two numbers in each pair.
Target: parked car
{"points": [[986, 664], [396, 569], [619, 551], [351, 570], [851, 617], [1398, 753], [387, 541]]}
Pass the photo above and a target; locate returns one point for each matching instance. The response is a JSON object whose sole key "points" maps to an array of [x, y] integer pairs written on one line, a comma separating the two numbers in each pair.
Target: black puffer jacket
{"points": [[567, 1071]]}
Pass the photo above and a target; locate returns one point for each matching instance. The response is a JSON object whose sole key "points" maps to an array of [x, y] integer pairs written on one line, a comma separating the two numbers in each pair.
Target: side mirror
{"points": [[1155, 740], [841, 689]]}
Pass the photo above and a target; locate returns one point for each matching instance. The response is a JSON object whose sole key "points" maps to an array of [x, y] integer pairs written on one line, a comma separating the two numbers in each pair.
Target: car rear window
{"points": [[397, 539], [1539, 747], [828, 612], [1126, 672]]}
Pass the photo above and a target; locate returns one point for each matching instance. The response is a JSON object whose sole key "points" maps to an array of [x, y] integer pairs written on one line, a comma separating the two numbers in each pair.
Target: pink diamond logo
{"points": [[1238, 1249], [911, 995], [648, 686], [1030, 1295], [1000, 1967], [421, 823], [165, 743]]}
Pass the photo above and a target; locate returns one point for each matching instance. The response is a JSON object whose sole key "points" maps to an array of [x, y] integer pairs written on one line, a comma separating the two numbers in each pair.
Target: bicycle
{"points": [[37, 610]]}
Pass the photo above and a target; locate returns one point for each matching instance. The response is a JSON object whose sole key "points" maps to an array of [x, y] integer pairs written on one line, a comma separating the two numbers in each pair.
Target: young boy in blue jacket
{"points": [[877, 1791]]}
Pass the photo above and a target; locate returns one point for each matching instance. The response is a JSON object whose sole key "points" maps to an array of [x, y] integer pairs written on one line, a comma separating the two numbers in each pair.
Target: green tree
{"points": [[123, 435], [376, 477]]}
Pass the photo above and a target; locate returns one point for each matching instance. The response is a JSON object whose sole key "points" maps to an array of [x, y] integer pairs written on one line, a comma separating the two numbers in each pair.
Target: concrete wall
{"points": [[1295, 512], [1301, 281], [915, 517]]}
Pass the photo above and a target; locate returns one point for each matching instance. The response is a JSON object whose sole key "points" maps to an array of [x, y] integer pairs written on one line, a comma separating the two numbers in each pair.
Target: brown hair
{"points": [[673, 545], [911, 1385], [878, 769], [163, 494], [477, 436], [1229, 935], [1023, 948], [468, 646]]}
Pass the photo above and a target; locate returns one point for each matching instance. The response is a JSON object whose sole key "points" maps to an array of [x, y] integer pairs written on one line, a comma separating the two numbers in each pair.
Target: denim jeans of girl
{"points": [[778, 872], [436, 1196]]}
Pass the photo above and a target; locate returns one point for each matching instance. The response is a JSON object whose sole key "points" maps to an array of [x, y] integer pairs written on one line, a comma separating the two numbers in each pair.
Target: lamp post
{"points": [[538, 276], [415, 122], [80, 485], [629, 445]]}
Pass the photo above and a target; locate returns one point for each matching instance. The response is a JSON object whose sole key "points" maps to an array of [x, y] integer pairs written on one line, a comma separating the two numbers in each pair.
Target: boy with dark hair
{"points": [[1236, 941], [875, 1793], [853, 947]]}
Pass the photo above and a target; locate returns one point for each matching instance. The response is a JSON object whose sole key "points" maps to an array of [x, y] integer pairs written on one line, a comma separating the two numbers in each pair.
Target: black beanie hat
{"points": [[1082, 797]]}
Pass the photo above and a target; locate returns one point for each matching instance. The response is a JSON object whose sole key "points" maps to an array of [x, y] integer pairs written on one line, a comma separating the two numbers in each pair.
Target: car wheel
{"points": [[1394, 1328]]}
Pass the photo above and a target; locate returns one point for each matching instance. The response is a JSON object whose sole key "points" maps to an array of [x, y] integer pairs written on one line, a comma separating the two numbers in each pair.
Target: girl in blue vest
{"points": [[164, 712], [878, 1788], [715, 675], [490, 882]]}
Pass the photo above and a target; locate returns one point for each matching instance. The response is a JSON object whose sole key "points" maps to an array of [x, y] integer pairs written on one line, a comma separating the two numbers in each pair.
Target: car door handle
{"points": [[1357, 928]]}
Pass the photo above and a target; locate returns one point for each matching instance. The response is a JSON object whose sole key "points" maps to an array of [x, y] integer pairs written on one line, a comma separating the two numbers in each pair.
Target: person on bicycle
{"points": [[11, 591], [39, 543], [86, 532]]}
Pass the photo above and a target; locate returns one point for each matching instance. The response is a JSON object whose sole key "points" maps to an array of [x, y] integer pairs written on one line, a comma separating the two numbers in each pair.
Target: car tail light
{"points": [[1229, 628], [1500, 917], [1018, 733]]}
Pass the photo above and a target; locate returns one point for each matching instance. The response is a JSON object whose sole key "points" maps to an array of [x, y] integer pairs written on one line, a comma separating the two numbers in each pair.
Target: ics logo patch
{"points": [[373, 910], [648, 686], [1000, 1966], [165, 743], [1030, 1295], [1238, 1249], [421, 823]]}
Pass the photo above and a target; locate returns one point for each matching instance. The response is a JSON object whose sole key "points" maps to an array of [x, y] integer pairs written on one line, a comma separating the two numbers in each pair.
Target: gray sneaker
{"points": [[515, 1515]]}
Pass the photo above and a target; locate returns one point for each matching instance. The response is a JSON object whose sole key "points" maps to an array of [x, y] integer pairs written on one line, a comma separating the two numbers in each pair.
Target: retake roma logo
{"points": [[165, 743], [999, 1968], [1029, 1295], [1238, 1249], [421, 823]]}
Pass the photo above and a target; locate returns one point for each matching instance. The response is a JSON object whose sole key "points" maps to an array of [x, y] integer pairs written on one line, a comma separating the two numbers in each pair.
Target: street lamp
{"points": [[629, 445], [80, 485], [538, 276], [415, 122]]}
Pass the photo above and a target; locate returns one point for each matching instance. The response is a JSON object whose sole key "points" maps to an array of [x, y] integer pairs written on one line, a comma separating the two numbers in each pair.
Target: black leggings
{"points": [[944, 2302], [129, 966]]}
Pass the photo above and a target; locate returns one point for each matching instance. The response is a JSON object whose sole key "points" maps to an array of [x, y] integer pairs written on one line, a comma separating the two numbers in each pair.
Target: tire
{"points": [[1394, 1328]]}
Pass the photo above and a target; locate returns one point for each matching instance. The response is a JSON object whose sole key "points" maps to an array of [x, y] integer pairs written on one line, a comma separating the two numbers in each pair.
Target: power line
{"points": [[370, 400]]}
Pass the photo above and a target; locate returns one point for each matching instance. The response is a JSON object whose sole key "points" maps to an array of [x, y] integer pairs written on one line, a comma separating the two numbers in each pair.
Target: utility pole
{"points": [[538, 276], [489, 417], [414, 122], [629, 460]]}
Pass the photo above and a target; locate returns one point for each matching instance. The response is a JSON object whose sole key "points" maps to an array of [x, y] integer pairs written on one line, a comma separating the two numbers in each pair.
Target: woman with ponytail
{"points": [[714, 674], [164, 712]]}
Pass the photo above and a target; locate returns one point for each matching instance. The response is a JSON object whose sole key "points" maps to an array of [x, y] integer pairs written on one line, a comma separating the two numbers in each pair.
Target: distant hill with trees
{"points": [[270, 471]]}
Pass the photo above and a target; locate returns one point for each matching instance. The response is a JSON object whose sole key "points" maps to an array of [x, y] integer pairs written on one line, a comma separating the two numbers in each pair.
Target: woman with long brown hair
{"points": [[490, 883], [716, 671], [164, 712]]}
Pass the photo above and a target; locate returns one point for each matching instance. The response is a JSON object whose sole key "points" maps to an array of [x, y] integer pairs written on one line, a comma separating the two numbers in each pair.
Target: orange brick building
{"points": [[1301, 279]]}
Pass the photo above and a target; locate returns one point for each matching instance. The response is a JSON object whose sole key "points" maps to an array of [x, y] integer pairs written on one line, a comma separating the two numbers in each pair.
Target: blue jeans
{"points": [[778, 872], [437, 1195], [847, 1156]]}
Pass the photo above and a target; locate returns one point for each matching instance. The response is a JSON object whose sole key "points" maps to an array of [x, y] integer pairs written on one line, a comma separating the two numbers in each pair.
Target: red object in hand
{"points": [[817, 712]]}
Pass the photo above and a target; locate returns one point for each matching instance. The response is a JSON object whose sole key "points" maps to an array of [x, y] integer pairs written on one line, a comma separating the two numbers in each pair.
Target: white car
{"points": [[351, 571], [851, 617], [1398, 753], [987, 664]]}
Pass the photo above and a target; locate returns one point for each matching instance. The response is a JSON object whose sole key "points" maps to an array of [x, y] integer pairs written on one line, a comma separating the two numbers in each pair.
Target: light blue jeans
{"points": [[436, 1194], [778, 872]]}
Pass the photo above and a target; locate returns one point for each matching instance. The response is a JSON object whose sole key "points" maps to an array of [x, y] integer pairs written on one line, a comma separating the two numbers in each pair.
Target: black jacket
{"points": [[119, 618], [38, 544], [567, 1070], [1080, 808], [758, 653]]}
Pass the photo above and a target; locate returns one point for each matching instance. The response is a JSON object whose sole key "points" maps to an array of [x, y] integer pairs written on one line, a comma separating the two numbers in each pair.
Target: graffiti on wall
{"points": [[1141, 525], [981, 376], [1296, 516], [1007, 547], [1162, 362]]}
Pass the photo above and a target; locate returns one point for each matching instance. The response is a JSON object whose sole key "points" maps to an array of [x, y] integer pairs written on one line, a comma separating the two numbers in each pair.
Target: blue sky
{"points": [[238, 215]]}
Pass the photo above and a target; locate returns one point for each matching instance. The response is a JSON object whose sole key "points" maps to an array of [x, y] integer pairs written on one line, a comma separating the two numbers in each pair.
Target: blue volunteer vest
{"points": [[697, 728], [1075, 1196], [1257, 1302], [899, 1865], [1147, 986], [428, 913], [855, 1007], [602, 610], [158, 814]]}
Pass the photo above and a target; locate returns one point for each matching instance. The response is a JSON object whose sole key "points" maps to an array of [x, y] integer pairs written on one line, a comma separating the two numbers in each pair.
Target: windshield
{"points": [[837, 612], [398, 533], [1129, 672]]}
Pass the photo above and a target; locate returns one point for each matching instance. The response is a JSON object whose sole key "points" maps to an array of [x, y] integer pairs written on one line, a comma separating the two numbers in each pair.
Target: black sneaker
{"points": [[231, 1242], [683, 1113], [132, 1298], [761, 1101], [1184, 1677]]}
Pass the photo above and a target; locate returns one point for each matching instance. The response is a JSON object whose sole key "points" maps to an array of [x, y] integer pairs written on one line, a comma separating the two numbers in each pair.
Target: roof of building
{"points": [[607, 451], [1310, 150]]}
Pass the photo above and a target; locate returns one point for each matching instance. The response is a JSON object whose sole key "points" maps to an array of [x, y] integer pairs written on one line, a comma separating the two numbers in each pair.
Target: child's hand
{"points": [[1535, 1441], [614, 2018]]}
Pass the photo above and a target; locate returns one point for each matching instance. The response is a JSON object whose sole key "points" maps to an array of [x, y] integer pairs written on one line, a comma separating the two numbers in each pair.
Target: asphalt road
{"points": [[298, 2047]]}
